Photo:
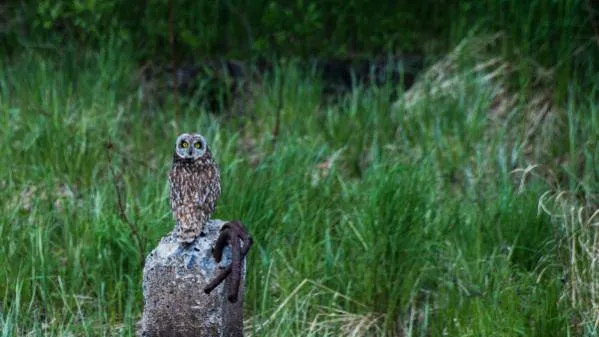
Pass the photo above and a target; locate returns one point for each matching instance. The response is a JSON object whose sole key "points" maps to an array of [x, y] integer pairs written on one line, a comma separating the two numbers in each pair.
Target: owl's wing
{"points": [[202, 196], [206, 198], [189, 217]]}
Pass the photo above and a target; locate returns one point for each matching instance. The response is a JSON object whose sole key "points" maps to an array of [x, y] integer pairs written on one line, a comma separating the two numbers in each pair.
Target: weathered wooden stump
{"points": [[173, 289]]}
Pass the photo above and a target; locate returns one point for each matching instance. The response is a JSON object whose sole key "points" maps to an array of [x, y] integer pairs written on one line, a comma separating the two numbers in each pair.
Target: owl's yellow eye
{"points": [[184, 144], [198, 145]]}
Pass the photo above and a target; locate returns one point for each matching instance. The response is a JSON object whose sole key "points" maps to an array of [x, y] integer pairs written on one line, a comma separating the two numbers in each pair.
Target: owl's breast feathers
{"points": [[194, 191]]}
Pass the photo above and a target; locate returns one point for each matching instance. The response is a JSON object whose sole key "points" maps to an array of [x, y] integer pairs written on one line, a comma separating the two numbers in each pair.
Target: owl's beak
{"points": [[190, 151]]}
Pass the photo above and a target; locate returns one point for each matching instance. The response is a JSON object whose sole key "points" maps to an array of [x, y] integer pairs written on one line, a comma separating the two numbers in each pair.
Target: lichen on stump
{"points": [[174, 300]]}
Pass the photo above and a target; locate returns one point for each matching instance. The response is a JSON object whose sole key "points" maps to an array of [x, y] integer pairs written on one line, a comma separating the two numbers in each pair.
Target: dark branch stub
{"points": [[230, 233]]}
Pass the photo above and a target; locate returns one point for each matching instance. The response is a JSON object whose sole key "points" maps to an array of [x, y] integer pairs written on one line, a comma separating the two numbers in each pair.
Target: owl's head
{"points": [[190, 146]]}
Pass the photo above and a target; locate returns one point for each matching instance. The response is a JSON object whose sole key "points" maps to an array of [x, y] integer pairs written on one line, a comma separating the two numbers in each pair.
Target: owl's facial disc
{"points": [[190, 146]]}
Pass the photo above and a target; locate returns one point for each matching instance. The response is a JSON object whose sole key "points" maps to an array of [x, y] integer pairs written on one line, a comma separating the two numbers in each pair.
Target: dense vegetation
{"points": [[468, 207]]}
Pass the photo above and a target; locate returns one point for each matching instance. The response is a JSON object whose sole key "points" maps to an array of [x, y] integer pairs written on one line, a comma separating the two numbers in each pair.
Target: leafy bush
{"points": [[239, 28]]}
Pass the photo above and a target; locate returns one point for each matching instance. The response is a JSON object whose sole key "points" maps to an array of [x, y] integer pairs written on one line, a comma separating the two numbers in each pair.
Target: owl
{"points": [[194, 184]]}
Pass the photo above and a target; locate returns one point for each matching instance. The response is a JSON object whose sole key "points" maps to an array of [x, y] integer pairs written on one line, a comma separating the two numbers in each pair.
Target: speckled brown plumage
{"points": [[194, 182]]}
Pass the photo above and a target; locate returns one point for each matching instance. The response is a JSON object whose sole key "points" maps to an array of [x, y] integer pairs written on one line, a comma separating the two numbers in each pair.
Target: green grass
{"points": [[369, 219]]}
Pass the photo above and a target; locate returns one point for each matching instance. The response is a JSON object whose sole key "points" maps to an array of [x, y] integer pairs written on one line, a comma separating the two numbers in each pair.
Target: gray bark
{"points": [[173, 283]]}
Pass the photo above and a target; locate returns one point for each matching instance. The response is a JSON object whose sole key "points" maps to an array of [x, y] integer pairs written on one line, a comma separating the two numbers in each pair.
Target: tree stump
{"points": [[173, 282]]}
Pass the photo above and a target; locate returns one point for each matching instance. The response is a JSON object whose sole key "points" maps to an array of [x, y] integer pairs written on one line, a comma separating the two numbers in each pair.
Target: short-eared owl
{"points": [[194, 183]]}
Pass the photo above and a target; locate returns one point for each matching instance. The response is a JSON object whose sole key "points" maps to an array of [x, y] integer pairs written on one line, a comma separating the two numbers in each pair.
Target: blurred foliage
{"points": [[558, 37], [240, 28]]}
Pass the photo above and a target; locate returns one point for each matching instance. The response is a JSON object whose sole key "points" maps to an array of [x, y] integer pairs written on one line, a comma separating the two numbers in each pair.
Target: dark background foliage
{"points": [[246, 29]]}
